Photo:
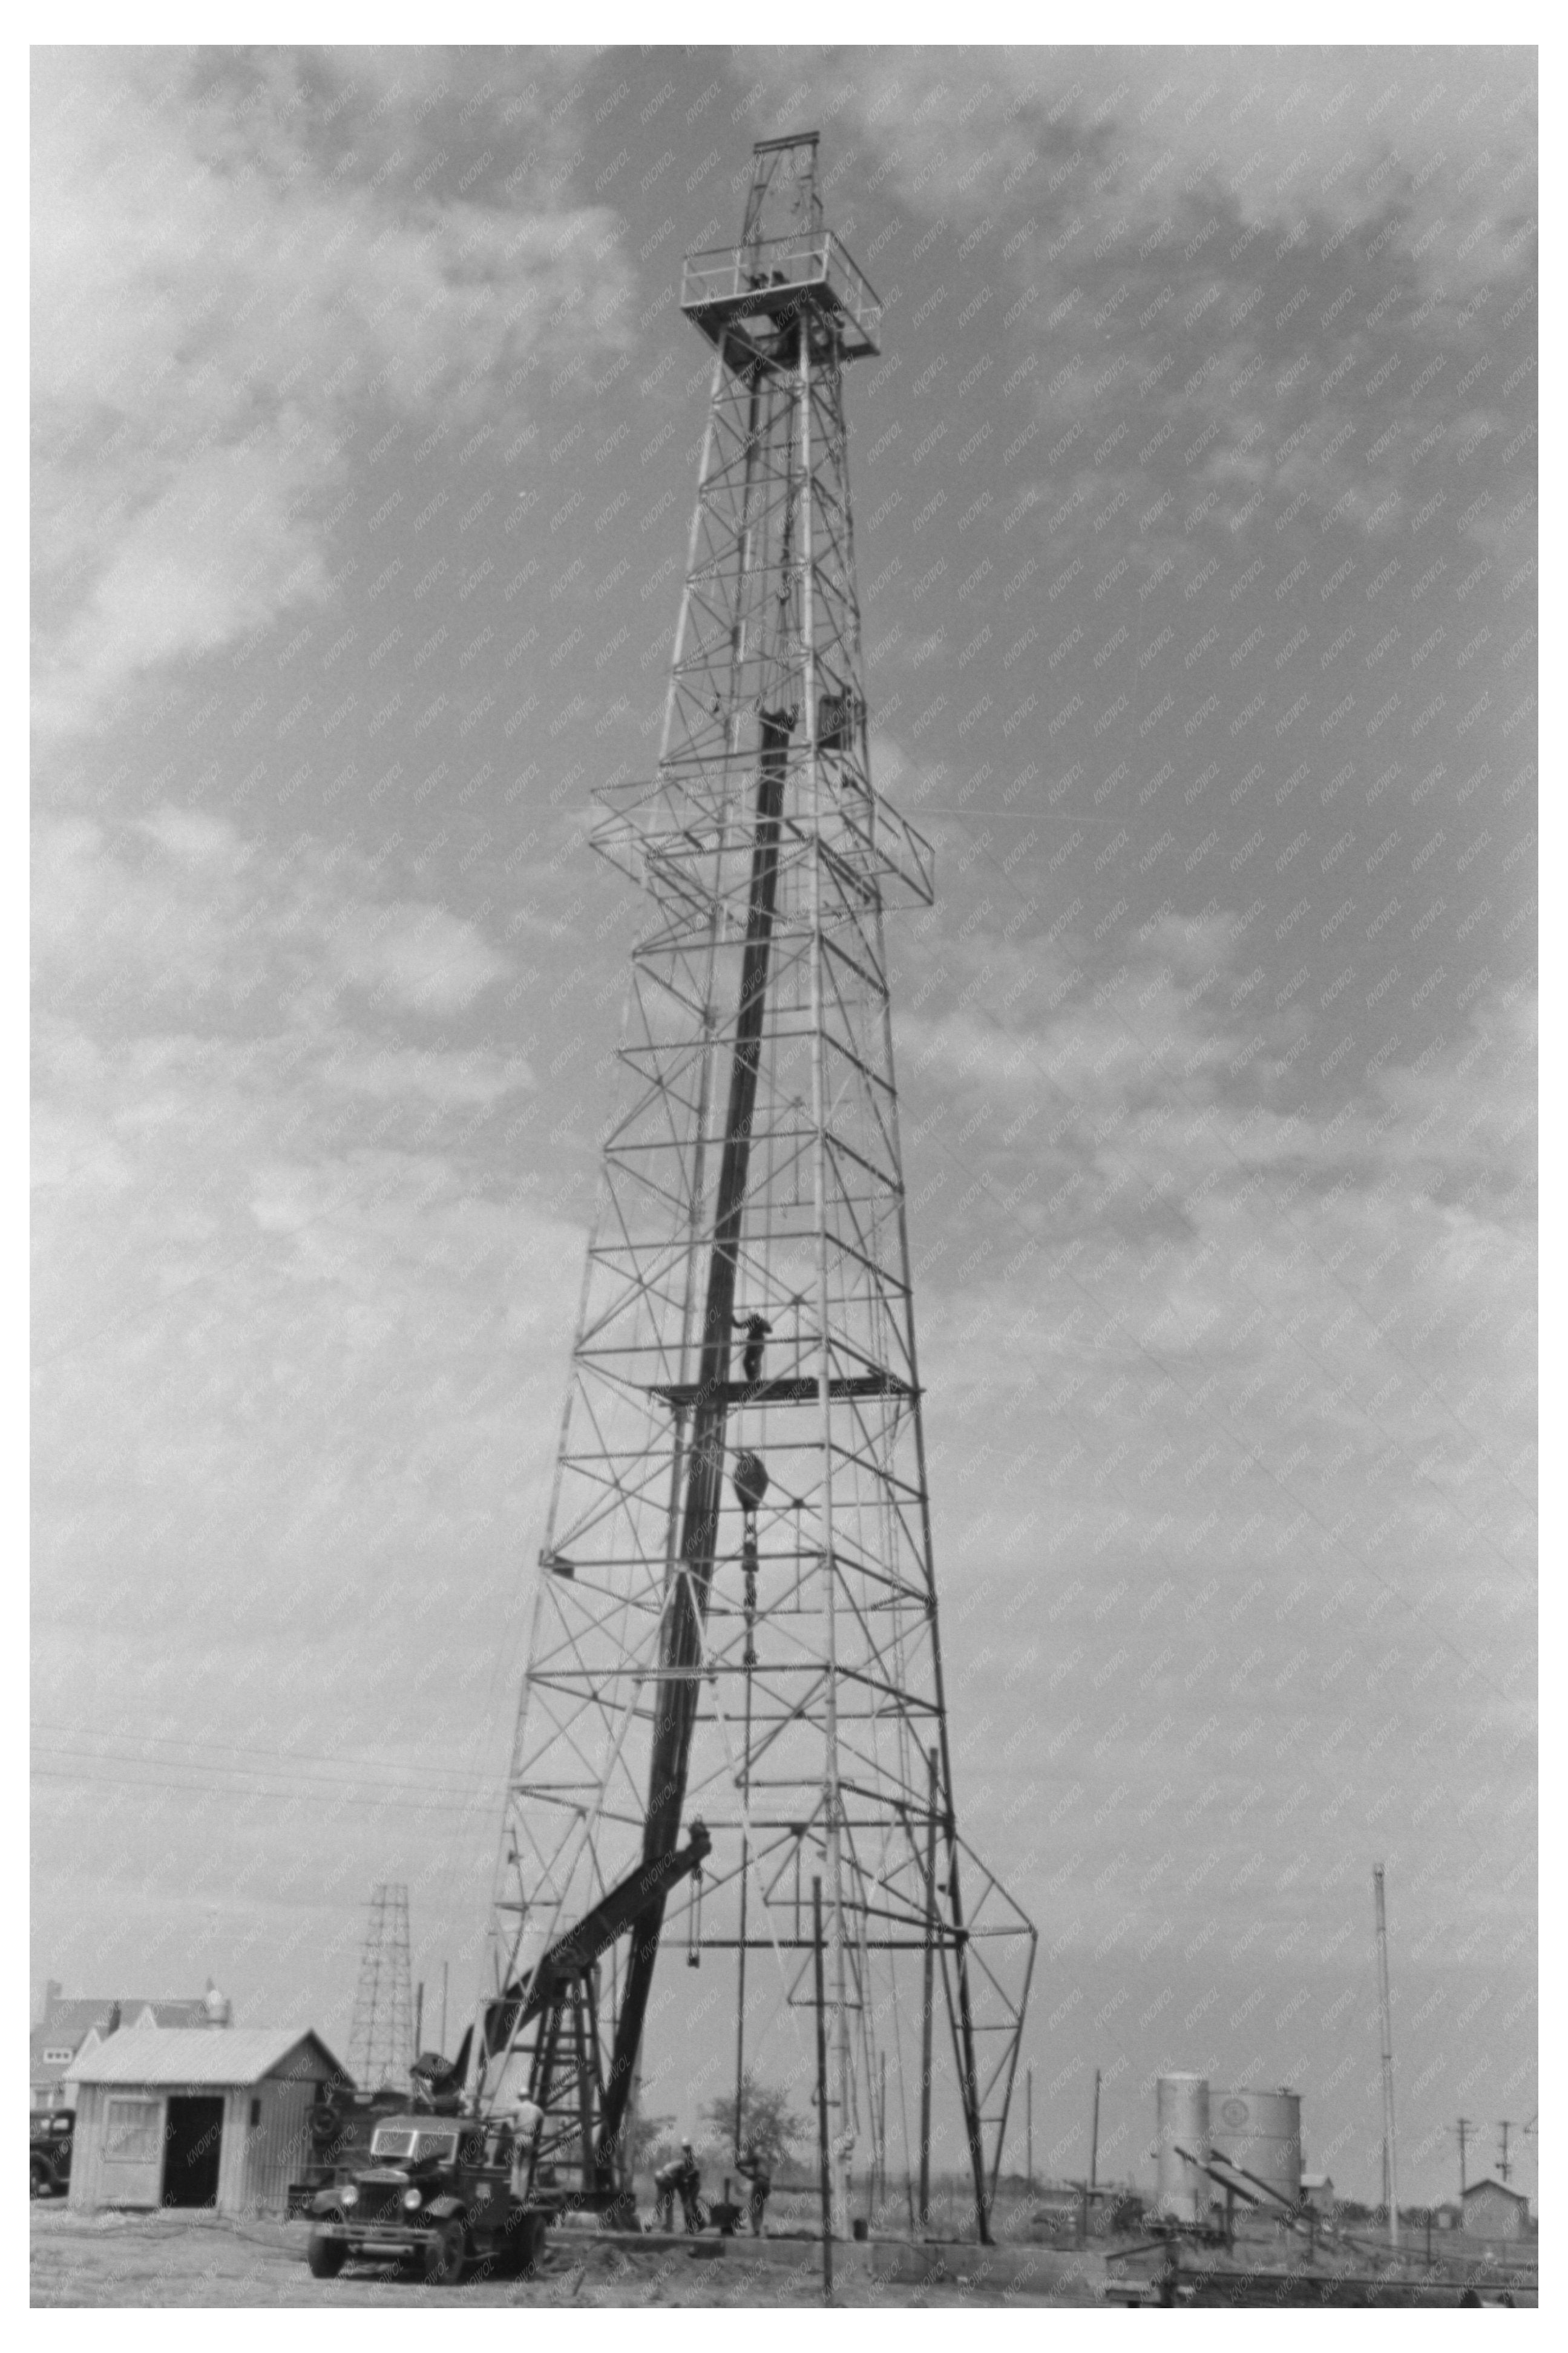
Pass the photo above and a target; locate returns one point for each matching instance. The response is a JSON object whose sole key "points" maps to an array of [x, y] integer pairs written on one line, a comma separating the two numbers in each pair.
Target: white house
{"points": [[74, 2024]]}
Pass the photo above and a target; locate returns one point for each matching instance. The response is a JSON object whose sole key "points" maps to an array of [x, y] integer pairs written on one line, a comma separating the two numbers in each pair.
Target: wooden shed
{"points": [[196, 2116], [1492, 2211]]}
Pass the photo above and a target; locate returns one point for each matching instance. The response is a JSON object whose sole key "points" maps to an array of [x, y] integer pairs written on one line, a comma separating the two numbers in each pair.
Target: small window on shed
{"points": [[255, 2114], [133, 2130]]}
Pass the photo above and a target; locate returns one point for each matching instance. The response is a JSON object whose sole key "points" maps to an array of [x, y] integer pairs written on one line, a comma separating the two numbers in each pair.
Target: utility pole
{"points": [[443, 1968], [882, 2125], [419, 2017], [1094, 2136], [1462, 2132], [1390, 2170], [1504, 2168], [822, 2095], [927, 1996], [1030, 2126]]}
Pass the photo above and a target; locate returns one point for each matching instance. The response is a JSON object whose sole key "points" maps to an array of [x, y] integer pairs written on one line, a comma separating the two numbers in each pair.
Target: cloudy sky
{"points": [[1196, 506]]}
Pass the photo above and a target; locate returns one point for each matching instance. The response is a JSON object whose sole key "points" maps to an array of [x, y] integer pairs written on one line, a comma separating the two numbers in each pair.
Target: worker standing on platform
{"points": [[528, 2123], [752, 2167], [757, 1330]]}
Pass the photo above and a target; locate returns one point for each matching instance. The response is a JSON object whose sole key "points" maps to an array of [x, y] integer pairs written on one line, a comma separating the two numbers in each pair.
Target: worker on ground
{"points": [[751, 2166], [682, 2175], [690, 2182], [757, 1330], [528, 2123]]}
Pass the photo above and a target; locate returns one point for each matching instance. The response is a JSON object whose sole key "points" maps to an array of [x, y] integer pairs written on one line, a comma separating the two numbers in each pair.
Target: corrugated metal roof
{"points": [[198, 2054]]}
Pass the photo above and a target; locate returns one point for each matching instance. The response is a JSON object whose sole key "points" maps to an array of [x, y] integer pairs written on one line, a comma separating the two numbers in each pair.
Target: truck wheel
{"points": [[503, 2258], [446, 2253], [38, 2182], [325, 2256], [518, 2247]]}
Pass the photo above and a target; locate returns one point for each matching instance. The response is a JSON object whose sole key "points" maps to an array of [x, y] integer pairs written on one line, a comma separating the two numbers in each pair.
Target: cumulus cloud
{"points": [[456, 1079], [1164, 1246], [220, 550], [179, 907], [420, 956], [220, 313], [1205, 259], [288, 1281], [1340, 135]]}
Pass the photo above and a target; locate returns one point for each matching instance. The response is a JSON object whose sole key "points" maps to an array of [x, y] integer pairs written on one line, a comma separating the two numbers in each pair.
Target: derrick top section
{"points": [[787, 268]]}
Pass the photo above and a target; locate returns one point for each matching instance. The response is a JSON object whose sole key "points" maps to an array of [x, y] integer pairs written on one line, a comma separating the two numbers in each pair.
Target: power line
{"points": [[410, 1800], [372, 1762]]}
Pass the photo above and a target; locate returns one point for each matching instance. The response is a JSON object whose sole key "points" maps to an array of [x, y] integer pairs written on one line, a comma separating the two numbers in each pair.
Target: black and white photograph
{"points": [[784, 1137]]}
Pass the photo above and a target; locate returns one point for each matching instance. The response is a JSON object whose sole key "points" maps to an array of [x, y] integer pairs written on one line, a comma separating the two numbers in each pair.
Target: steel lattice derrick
{"points": [[767, 1659], [380, 2038]]}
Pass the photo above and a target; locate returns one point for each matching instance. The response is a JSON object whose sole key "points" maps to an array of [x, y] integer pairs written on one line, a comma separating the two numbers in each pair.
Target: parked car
{"points": [[49, 2152]]}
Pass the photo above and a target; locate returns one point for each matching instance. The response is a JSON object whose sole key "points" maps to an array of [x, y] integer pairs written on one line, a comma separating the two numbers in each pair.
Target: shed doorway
{"points": [[194, 2151]]}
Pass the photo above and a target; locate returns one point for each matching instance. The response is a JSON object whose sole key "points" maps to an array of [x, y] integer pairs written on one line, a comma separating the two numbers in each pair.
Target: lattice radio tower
{"points": [[381, 2040], [736, 1614]]}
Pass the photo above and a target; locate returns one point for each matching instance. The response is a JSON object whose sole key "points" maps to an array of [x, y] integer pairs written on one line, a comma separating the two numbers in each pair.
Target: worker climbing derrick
{"points": [[757, 1330]]}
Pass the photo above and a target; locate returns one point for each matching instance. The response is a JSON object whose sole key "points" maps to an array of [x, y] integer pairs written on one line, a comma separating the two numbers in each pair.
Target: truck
{"points": [[436, 2191]]}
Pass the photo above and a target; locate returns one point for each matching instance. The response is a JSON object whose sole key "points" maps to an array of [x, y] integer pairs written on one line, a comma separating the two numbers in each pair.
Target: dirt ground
{"points": [[118, 2260]]}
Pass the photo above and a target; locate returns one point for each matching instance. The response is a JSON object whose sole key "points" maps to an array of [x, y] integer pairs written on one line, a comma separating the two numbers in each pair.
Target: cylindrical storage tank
{"points": [[1181, 2146], [1260, 2133]]}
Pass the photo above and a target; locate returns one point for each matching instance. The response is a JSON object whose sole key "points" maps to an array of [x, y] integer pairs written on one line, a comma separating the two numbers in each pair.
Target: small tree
{"points": [[646, 2137], [768, 2123]]}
